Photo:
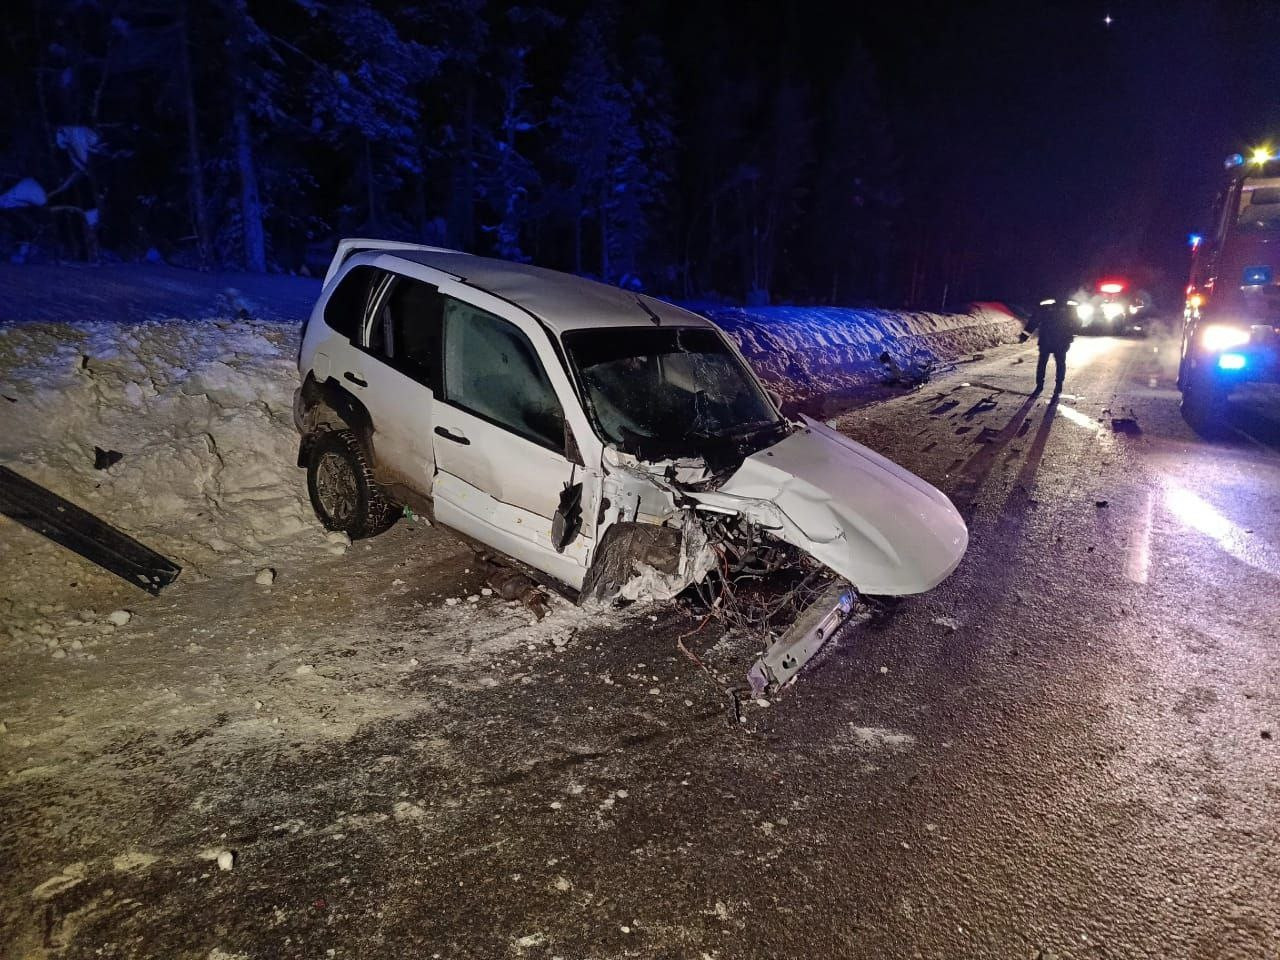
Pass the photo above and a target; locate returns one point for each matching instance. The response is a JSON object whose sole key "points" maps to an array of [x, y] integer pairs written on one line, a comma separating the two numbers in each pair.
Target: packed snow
{"points": [[199, 413], [806, 353]]}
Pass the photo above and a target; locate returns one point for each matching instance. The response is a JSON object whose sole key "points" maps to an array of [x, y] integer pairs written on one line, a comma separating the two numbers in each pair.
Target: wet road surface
{"points": [[1067, 750]]}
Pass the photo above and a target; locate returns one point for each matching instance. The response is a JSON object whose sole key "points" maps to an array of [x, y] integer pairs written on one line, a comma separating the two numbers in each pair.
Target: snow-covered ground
{"points": [[189, 378], [200, 413]]}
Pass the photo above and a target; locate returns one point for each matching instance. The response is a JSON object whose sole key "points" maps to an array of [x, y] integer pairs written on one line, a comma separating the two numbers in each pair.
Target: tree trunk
{"points": [[462, 223], [255, 242], [368, 184], [195, 160], [604, 236], [577, 237]]}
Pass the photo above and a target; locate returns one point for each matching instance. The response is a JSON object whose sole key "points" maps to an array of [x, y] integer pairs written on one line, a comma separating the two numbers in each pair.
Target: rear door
{"points": [[398, 376], [500, 443]]}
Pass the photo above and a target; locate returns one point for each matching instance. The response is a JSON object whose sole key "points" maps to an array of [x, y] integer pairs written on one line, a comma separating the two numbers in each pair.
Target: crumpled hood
{"points": [[872, 522]]}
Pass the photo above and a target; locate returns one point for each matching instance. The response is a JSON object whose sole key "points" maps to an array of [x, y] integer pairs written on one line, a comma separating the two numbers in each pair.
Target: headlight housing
{"points": [[1223, 336], [1084, 312], [1111, 310]]}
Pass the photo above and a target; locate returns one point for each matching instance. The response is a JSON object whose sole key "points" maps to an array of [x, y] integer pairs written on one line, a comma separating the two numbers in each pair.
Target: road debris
{"points": [[78, 530], [103, 459], [511, 584]]}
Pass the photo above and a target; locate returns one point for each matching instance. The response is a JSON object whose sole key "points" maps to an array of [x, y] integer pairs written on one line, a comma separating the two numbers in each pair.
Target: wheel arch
{"points": [[327, 405]]}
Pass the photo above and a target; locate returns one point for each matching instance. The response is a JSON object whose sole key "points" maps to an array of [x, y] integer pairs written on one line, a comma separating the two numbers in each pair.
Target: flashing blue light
{"points": [[1195, 240], [1231, 361], [1257, 276]]}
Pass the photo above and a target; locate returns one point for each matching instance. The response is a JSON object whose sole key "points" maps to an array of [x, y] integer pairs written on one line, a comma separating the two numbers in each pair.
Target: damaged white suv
{"points": [[611, 441]]}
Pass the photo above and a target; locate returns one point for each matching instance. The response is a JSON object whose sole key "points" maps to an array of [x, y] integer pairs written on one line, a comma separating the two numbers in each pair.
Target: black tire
{"points": [[343, 492], [1204, 403]]}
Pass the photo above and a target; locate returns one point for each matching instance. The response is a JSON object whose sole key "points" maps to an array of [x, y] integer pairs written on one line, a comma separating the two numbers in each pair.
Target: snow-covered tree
{"points": [[509, 181], [613, 160], [363, 94], [851, 219], [769, 187]]}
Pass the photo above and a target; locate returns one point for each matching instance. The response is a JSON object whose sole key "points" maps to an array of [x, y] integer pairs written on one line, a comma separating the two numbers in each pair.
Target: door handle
{"points": [[356, 379], [455, 437]]}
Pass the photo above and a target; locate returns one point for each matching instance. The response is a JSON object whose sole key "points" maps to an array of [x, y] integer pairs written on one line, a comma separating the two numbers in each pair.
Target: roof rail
{"points": [[353, 245]]}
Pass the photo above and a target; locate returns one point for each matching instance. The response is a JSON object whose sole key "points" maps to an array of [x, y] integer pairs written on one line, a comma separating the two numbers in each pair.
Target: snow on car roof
{"points": [[562, 300]]}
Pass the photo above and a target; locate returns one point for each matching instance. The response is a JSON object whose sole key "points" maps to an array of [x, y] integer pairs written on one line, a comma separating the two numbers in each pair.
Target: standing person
{"points": [[1054, 322]]}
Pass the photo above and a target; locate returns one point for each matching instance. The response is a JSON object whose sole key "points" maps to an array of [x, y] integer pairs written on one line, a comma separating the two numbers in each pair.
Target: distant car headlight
{"points": [[1223, 336], [1111, 309], [1084, 312]]}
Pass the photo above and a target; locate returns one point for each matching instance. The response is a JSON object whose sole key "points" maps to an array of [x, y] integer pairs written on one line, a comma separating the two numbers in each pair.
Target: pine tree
{"points": [[509, 182], [769, 186], [363, 95], [615, 163], [850, 225]]}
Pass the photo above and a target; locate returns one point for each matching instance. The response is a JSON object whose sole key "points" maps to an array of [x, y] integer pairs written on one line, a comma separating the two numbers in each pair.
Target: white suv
{"points": [[611, 441]]}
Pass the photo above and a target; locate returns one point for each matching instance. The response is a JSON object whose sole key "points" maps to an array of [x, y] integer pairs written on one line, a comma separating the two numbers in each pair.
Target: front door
{"points": [[500, 438]]}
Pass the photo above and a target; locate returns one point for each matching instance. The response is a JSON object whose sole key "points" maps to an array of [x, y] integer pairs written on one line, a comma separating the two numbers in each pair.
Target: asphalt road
{"points": [[1070, 749]]}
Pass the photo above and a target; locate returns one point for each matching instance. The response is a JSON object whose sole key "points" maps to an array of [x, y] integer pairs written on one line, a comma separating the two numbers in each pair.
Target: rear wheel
{"points": [[1204, 402], [343, 492]]}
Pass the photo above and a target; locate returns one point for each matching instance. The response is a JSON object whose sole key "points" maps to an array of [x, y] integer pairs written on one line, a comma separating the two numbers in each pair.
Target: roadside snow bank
{"points": [[201, 413], [811, 353]]}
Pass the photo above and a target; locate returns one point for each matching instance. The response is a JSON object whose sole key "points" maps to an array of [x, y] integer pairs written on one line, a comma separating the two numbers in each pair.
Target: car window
{"points": [[346, 306], [491, 370], [667, 391], [405, 328]]}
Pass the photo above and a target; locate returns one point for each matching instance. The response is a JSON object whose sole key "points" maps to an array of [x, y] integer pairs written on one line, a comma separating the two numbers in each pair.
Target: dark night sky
{"points": [[1013, 148], [1056, 146]]}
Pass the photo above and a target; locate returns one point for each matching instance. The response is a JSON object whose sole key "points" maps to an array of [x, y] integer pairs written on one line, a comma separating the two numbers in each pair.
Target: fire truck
{"points": [[1231, 320]]}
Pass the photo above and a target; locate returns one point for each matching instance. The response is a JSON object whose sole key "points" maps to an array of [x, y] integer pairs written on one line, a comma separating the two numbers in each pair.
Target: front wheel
{"points": [[1204, 403], [343, 492]]}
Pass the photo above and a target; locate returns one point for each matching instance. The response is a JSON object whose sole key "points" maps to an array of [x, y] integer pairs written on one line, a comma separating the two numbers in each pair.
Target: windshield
{"points": [[663, 389], [1259, 209]]}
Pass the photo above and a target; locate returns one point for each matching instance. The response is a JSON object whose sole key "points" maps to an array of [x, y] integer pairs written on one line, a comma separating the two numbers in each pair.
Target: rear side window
{"points": [[348, 302], [405, 331], [491, 370]]}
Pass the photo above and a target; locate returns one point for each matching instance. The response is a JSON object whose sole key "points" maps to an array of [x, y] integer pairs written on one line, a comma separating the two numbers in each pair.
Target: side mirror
{"points": [[774, 396]]}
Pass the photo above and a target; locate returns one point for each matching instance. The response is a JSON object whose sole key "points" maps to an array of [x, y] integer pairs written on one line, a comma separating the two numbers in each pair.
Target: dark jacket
{"points": [[1055, 324]]}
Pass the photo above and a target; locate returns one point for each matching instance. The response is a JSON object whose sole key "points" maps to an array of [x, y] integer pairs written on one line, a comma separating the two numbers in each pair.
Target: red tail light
{"points": [[1111, 286]]}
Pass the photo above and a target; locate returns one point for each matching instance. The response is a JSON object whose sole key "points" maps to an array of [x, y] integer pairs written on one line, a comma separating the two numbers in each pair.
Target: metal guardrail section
{"points": [[81, 532]]}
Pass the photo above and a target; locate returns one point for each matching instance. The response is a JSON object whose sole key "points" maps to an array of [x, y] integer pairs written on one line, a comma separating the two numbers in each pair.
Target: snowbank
{"points": [[811, 353], [200, 411]]}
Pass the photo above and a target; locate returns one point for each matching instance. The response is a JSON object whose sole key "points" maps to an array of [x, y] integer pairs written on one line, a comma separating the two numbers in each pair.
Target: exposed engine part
{"points": [[649, 561], [775, 593], [759, 585]]}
